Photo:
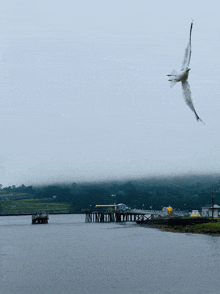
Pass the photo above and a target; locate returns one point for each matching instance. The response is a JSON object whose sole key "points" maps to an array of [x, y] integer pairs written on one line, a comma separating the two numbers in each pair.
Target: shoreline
{"points": [[185, 225], [193, 229]]}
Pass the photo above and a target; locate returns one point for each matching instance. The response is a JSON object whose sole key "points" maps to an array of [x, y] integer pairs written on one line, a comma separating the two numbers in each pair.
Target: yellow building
{"points": [[195, 213]]}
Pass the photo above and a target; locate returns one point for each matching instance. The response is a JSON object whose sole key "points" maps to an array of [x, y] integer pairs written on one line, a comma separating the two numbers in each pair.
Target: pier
{"points": [[121, 213], [114, 216]]}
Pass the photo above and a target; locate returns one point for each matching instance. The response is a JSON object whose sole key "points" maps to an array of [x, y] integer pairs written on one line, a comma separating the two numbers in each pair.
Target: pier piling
{"points": [[105, 217]]}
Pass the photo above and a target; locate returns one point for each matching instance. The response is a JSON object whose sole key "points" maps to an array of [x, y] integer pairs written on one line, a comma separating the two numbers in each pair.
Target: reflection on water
{"points": [[68, 255]]}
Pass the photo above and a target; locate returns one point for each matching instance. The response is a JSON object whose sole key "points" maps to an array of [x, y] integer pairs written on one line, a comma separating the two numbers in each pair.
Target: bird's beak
{"points": [[189, 69]]}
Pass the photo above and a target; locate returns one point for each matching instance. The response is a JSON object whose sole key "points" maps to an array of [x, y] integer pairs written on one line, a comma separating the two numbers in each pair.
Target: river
{"points": [[68, 255]]}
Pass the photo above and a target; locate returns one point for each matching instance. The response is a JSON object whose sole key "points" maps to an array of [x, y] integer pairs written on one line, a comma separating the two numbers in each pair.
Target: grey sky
{"points": [[85, 93]]}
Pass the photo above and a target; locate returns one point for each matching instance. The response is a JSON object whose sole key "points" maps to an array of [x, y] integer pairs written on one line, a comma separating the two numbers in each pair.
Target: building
{"points": [[207, 210], [121, 207], [195, 213], [167, 210]]}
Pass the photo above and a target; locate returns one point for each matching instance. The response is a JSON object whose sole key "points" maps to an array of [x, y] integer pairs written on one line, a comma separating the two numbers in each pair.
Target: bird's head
{"points": [[188, 69]]}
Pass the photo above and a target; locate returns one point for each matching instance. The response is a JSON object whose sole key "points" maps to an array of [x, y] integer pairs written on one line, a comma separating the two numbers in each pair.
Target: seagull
{"points": [[182, 77]]}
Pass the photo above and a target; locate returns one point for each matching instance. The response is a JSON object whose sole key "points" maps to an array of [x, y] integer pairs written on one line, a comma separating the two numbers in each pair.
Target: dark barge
{"points": [[40, 218]]}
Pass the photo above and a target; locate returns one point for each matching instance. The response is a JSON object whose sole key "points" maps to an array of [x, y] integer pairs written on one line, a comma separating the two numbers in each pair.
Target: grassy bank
{"points": [[205, 228], [29, 206]]}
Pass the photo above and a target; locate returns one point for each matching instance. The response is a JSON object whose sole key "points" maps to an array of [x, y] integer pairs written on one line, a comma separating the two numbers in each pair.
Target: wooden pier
{"points": [[105, 217]]}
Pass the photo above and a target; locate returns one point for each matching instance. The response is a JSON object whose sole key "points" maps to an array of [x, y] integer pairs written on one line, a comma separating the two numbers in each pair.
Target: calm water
{"points": [[71, 256]]}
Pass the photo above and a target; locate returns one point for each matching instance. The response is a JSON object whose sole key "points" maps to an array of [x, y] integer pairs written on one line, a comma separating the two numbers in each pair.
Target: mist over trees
{"points": [[182, 193]]}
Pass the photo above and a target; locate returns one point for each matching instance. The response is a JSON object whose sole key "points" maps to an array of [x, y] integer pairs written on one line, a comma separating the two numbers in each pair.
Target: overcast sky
{"points": [[85, 94]]}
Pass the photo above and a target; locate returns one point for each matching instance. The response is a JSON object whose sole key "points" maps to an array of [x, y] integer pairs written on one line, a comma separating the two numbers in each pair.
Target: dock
{"points": [[114, 216], [40, 218]]}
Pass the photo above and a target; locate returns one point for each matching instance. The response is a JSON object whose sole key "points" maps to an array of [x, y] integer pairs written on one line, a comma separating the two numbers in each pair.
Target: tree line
{"points": [[182, 193]]}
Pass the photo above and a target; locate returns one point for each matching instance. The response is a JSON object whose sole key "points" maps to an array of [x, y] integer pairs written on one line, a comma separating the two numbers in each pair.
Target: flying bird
{"points": [[182, 76]]}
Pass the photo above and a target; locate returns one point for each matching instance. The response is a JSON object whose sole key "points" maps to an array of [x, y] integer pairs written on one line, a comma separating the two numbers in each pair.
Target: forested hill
{"points": [[184, 193]]}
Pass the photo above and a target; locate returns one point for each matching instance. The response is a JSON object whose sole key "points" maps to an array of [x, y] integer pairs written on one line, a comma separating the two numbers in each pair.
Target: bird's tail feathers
{"points": [[172, 83], [173, 80]]}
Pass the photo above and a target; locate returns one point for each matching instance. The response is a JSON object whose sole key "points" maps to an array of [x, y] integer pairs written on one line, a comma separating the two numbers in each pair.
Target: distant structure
{"points": [[167, 210], [195, 213], [118, 207], [120, 212], [121, 207], [114, 213], [207, 210]]}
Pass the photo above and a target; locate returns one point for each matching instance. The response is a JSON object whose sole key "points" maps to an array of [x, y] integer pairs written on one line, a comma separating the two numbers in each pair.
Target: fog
{"points": [[85, 94]]}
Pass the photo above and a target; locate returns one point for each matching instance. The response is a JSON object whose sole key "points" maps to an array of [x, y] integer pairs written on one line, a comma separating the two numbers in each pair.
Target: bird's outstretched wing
{"points": [[188, 99], [188, 50]]}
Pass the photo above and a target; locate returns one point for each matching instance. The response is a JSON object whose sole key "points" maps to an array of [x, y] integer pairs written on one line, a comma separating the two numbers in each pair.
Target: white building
{"points": [[195, 213], [207, 210]]}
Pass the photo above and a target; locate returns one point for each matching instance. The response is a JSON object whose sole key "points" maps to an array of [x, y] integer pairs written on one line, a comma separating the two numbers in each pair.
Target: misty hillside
{"points": [[183, 193]]}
